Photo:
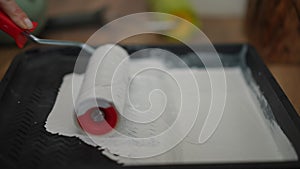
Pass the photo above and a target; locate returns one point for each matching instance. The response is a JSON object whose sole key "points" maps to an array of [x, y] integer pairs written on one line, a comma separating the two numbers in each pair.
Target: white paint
{"points": [[106, 69], [243, 134]]}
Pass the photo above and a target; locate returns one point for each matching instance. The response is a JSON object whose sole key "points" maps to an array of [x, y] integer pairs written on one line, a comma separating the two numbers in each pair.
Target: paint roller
{"points": [[102, 94]]}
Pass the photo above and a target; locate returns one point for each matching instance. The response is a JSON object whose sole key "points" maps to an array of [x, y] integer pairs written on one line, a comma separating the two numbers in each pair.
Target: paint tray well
{"points": [[27, 144]]}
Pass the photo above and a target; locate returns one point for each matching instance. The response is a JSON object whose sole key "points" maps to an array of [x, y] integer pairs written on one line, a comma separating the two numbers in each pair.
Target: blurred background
{"points": [[271, 26]]}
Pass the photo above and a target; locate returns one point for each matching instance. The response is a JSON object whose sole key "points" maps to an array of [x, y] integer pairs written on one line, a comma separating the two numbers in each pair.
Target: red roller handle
{"points": [[101, 127], [9, 27]]}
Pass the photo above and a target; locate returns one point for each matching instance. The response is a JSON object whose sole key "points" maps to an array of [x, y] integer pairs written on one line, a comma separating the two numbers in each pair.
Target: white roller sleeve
{"points": [[107, 71]]}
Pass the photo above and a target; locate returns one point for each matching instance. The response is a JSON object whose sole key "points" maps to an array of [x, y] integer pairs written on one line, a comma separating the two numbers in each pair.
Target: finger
{"points": [[11, 8]]}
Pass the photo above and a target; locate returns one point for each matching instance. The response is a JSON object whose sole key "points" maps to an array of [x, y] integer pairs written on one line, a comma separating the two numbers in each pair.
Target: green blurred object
{"points": [[180, 8], [35, 10]]}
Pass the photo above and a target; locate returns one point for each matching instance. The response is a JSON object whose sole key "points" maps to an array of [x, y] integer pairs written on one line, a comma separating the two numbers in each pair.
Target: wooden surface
{"points": [[273, 27], [288, 76], [218, 30]]}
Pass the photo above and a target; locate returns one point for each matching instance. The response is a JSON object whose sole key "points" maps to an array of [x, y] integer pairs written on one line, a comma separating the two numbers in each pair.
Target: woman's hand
{"points": [[11, 8]]}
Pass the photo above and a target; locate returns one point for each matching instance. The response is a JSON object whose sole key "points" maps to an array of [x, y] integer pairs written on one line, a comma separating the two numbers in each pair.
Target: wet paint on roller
{"points": [[95, 90]]}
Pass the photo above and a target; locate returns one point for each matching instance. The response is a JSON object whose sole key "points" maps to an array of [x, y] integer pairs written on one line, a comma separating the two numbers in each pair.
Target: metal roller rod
{"points": [[83, 46]]}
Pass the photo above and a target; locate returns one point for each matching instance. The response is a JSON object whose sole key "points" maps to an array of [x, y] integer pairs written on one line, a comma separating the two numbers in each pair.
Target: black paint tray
{"points": [[30, 86]]}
